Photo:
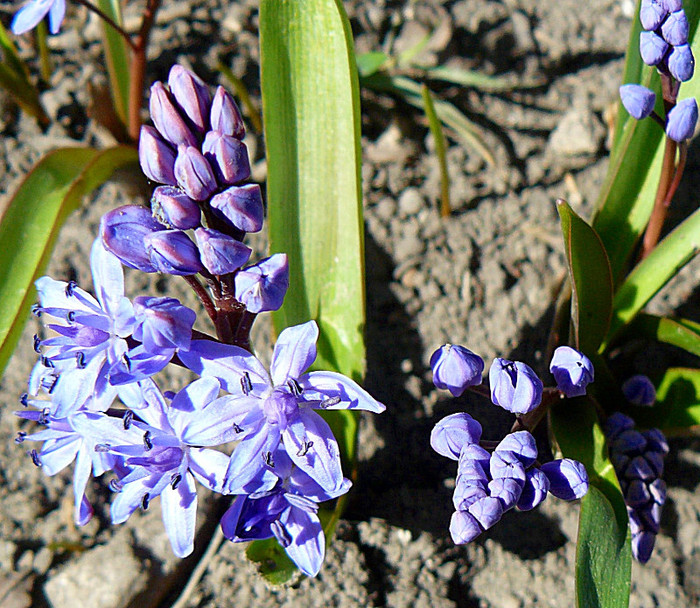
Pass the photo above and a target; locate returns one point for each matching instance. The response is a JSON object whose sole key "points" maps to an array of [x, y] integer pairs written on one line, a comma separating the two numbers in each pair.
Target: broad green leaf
{"points": [[409, 90], [117, 55], [31, 222], [591, 280], [439, 137], [472, 79], [677, 404], [678, 332], [369, 63], [603, 556], [652, 273], [14, 78], [311, 113]]}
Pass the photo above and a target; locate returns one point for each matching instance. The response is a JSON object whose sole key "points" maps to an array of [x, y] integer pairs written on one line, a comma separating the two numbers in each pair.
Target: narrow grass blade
{"points": [[117, 55], [475, 80], [440, 144], [682, 333], [370, 63], [32, 220]]}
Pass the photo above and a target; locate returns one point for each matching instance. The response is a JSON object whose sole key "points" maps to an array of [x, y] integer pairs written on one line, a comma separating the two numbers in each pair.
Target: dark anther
{"points": [[102, 447], [36, 310], [80, 359], [175, 480], [294, 387], [115, 485], [304, 449], [237, 428], [145, 501], [330, 401], [35, 458], [20, 437], [37, 344], [128, 417], [50, 384], [24, 400], [127, 362], [267, 457], [147, 443], [46, 362], [70, 287], [44, 416], [70, 316], [246, 384]]}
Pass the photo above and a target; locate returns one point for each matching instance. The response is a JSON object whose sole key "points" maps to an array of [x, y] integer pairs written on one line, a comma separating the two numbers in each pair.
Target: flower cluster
{"points": [[196, 152], [664, 44], [638, 458], [491, 482]]}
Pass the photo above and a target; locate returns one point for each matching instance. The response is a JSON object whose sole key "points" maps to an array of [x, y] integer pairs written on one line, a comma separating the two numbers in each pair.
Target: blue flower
{"points": [[30, 14], [455, 368], [572, 370], [514, 386], [277, 408]]}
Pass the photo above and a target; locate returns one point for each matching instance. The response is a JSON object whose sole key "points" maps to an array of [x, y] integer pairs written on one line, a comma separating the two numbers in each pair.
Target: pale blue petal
{"points": [[107, 278], [74, 387], [57, 454], [308, 546], [56, 15], [29, 15], [209, 467], [142, 364], [248, 460], [81, 475], [229, 418], [179, 508], [294, 352], [188, 404], [83, 512], [53, 294], [326, 385]]}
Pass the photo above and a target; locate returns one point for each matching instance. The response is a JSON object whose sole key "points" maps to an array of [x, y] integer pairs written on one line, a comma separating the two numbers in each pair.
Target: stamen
{"points": [[147, 443], [246, 384], [37, 344], [145, 501], [115, 485], [36, 310], [35, 457], [127, 362], [237, 428], [294, 387], [128, 417], [46, 362], [267, 457], [71, 316], [49, 387], [304, 449], [175, 480], [70, 287], [44, 416], [102, 447], [329, 402], [80, 359], [20, 437], [24, 399]]}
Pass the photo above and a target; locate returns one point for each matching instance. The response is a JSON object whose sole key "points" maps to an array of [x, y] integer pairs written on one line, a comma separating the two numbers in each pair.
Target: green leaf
{"points": [[311, 111], [117, 55], [409, 90], [603, 556], [678, 332], [652, 273], [272, 560], [14, 78], [439, 137], [472, 79], [32, 219], [369, 63], [591, 280]]}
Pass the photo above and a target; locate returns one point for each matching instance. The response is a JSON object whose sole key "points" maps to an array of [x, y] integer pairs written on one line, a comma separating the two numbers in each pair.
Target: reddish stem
{"points": [[203, 296]]}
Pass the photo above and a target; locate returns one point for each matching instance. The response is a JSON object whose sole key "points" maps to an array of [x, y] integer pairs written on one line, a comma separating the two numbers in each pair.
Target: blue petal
{"points": [[107, 277], [229, 418], [142, 364], [179, 507], [81, 475], [53, 294], [330, 384], [56, 15], [57, 454], [308, 546], [248, 461], [29, 15], [294, 352], [209, 467]]}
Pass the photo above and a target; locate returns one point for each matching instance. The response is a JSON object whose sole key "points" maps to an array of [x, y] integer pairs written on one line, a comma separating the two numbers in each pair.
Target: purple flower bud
{"points": [[240, 206], [473, 472], [650, 517], [619, 460], [474, 452], [487, 511], [191, 94], [568, 478], [637, 494], [167, 118], [681, 63], [228, 156], [628, 441], [656, 442], [675, 28], [642, 546], [507, 465], [520, 443], [467, 492], [657, 489], [652, 13], [572, 370], [681, 120], [514, 386], [123, 231], [225, 115], [534, 491], [508, 491], [220, 253], [455, 368], [639, 102], [173, 207], [655, 460], [639, 390], [194, 174], [616, 424], [172, 252], [463, 527], [638, 468], [163, 323], [652, 48], [451, 434], [262, 287], [672, 5], [156, 157]]}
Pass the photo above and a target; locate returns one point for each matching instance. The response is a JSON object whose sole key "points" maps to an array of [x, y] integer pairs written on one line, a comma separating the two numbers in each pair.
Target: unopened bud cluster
{"points": [[490, 483], [664, 44], [638, 458]]}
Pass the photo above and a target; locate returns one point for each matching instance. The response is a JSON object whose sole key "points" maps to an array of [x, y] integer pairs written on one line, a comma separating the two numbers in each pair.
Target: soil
{"points": [[484, 277]]}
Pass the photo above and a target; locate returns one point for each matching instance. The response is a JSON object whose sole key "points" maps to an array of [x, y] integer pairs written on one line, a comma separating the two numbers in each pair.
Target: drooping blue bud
{"points": [[616, 424], [228, 157], [162, 323], [681, 120], [675, 28], [568, 478], [167, 118], [507, 490], [467, 492], [652, 48], [639, 390], [262, 287], [487, 511], [534, 491], [638, 100], [652, 13], [123, 231], [672, 5], [507, 465], [572, 371], [520, 443], [173, 207], [194, 174], [220, 253], [156, 156], [172, 252], [240, 206], [463, 527], [643, 546], [681, 63], [455, 368], [451, 434], [514, 386], [225, 115], [192, 95]]}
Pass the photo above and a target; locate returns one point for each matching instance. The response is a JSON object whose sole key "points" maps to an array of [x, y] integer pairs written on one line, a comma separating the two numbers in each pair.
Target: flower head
{"points": [[572, 370], [514, 386], [455, 368]]}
